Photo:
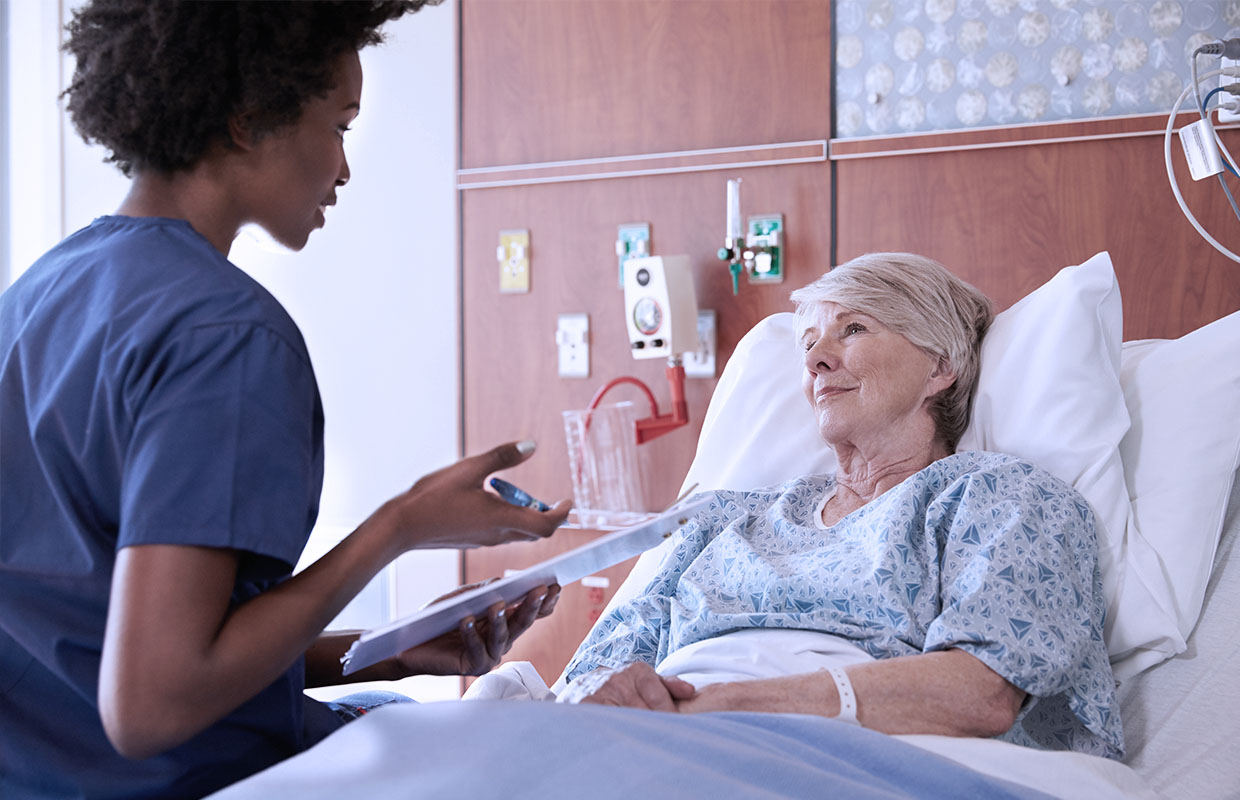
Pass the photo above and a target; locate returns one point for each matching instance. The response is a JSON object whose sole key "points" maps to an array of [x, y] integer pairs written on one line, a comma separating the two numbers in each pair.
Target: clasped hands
{"points": [[639, 686]]}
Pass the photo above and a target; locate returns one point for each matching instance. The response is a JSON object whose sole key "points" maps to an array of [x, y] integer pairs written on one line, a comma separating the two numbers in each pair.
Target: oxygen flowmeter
{"points": [[758, 252]]}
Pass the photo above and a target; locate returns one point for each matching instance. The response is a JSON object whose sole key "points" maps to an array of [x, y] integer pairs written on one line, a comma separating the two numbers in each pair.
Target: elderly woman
{"points": [[917, 590]]}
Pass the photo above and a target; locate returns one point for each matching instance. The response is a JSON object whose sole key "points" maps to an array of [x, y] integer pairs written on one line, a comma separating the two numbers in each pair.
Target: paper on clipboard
{"points": [[606, 551]]}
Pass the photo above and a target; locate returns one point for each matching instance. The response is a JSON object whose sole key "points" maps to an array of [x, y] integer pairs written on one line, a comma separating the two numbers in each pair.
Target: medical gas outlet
{"points": [[660, 306], [632, 241], [759, 251]]}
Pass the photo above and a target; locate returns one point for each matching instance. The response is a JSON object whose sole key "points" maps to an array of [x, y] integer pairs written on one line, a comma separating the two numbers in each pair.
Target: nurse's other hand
{"points": [[450, 508], [477, 645], [634, 686]]}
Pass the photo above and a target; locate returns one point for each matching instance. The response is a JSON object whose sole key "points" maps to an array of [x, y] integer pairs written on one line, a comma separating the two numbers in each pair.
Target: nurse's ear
{"points": [[241, 131]]}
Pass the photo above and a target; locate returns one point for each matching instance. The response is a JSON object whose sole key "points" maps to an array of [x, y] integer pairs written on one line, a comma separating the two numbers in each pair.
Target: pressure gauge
{"points": [[647, 315], [660, 308]]}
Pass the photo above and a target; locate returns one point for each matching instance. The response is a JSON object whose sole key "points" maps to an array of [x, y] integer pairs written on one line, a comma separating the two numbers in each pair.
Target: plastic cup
{"points": [[602, 455]]}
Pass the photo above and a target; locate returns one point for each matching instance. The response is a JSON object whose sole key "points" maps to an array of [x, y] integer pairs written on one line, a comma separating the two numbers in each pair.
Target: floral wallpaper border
{"points": [[905, 66]]}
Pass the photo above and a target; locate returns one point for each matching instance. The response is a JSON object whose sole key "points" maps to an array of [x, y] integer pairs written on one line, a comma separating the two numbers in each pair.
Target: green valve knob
{"points": [[724, 254], [735, 269]]}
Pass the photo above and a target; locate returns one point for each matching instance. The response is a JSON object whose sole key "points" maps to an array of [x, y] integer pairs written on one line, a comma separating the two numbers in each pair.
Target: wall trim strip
{"points": [[587, 169], [1011, 136]]}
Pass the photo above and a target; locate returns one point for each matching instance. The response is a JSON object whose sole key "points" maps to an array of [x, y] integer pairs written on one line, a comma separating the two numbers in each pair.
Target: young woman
{"points": [[162, 431]]}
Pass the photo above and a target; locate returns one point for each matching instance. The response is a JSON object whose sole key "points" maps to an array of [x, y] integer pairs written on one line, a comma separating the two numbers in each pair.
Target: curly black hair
{"points": [[157, 80]]}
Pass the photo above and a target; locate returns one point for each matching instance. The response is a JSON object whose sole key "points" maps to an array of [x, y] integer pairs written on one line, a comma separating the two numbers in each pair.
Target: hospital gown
{"points": [[978, 551]]}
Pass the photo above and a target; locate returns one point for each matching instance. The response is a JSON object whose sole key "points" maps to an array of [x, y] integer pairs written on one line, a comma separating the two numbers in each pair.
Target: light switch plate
{"points": [[700, 363], [513, 255], [572, 339]]}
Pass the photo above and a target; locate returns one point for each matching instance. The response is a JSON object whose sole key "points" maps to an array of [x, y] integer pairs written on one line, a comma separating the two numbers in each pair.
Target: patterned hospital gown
{"points": [[978, 551]]}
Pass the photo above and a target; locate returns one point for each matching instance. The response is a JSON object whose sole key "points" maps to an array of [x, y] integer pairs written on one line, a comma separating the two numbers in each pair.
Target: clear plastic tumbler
{"points": [[602, 454]]}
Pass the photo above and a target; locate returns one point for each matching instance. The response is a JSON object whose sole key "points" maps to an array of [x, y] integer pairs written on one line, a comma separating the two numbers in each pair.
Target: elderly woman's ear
{"points": [[943, 376]]}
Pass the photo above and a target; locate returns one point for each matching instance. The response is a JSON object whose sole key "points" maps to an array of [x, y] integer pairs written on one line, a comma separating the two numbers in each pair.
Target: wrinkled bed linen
{"points": [[548, 750]]}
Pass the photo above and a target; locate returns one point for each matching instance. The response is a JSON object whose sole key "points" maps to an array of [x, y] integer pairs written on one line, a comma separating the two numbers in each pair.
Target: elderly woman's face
{"points": [[866, 382]]}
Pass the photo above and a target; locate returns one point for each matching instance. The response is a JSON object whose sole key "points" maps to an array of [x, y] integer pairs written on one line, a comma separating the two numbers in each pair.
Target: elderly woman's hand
{"points": [[634, 686], [476, 646]]}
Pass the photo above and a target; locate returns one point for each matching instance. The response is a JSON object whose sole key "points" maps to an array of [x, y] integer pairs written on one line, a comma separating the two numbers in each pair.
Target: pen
{"points": [[518, 497]]}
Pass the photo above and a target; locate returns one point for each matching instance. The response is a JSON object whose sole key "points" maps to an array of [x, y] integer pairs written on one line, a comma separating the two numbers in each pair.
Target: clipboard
{"points": [[607, 550]]}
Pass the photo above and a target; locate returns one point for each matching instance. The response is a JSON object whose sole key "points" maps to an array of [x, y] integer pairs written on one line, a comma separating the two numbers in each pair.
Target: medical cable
{"points": [[1229, 163], [1216, 48], [1234, 106], [1175, 188], [1230, 199]]}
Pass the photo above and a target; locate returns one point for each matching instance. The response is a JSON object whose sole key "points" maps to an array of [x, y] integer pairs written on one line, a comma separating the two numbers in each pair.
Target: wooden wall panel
{"points": [[511, 389], [546, 81], [1007, 219]]}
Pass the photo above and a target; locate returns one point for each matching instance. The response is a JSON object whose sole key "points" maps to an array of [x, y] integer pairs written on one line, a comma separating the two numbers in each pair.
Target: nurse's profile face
{"points": [[300, 167]]}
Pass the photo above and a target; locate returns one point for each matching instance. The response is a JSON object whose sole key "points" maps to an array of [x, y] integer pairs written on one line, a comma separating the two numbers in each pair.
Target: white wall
{"points": [[33, 132], [374, 292], [4, 129]]}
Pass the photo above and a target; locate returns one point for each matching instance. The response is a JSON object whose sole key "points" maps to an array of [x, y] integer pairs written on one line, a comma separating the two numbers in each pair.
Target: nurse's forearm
{"points": [[323, 666], [176, 659]]}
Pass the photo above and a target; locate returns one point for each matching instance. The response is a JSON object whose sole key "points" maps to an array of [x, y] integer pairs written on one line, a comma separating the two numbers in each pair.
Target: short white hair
{"points": [[918, 298]]}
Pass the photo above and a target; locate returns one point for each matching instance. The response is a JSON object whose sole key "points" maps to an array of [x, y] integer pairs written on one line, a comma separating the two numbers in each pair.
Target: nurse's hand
{"points": [[450, 508], [477, 645], [634, 686]]}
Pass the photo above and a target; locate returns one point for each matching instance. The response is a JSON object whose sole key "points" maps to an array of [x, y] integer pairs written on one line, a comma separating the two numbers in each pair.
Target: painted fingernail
{"points": [[499, 614], [526, 447]]}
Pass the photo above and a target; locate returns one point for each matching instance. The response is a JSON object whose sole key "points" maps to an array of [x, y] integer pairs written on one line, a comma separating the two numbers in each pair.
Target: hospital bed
{"points": [[1148, 431]]}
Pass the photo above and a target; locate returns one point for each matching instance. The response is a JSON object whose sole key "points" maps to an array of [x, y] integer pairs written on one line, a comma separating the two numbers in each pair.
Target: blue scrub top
{"points": [[150, 393]]}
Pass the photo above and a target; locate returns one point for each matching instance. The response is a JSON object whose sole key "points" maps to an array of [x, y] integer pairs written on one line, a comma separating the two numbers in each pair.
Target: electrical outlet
{"points": [[632, 241], [767, 231], [700, 363], [1226, 80], [572, 339], [513, 255]]}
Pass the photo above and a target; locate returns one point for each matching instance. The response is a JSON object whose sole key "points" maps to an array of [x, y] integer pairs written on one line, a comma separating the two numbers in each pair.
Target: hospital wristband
{"points": [[848, 698]]}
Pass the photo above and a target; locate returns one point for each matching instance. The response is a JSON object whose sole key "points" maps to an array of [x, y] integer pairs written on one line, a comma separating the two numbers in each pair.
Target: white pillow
{"points": [[1182, 452], [1049, 392], [759, 428]]}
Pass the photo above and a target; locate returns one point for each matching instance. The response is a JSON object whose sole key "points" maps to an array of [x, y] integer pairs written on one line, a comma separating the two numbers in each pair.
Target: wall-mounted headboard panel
{"points": [[511, 388], [1008, 217]]}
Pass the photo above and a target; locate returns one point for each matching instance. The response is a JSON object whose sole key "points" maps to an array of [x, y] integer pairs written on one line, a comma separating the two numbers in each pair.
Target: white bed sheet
{"points": [[1182, 718]]}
